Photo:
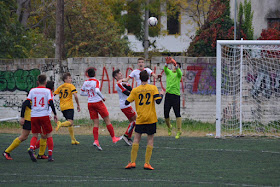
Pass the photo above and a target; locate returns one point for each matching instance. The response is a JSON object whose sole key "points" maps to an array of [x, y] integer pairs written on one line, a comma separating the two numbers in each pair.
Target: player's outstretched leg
{"points": [[7, 152], [115, 139], [7, 156]]}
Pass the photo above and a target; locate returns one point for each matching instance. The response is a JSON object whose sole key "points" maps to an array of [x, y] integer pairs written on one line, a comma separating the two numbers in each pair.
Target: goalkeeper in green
{"points": [[172, 96]]}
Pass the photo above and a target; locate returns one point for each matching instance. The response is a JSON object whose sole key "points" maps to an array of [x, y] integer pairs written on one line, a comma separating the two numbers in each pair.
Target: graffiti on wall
{"points": [[11, 101], [22, 80], [200, 79], [264, 83], [197, 79]]}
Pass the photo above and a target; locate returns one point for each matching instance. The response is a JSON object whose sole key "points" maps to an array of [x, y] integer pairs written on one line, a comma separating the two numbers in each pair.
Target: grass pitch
{"points": [[189, 161]]}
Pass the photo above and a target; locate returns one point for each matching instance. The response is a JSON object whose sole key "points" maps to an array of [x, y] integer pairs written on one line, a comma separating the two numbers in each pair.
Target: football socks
{"points": [[110, 128], [71, 132], [134, 152], [50, 145], [148, 154], [95, 133], [15, 143], [43, 145], [179, 124]]}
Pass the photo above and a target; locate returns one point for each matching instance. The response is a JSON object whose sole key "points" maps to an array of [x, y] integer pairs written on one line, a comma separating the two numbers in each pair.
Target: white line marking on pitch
{"points": [[102, 179]]}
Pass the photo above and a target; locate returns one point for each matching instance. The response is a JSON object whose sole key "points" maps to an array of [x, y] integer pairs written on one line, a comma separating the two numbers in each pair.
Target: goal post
{"points": [[247, 87]]}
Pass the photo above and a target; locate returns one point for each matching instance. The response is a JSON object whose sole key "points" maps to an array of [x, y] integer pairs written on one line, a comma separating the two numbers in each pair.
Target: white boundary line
{"points": [[113, 179], [216, 150]]}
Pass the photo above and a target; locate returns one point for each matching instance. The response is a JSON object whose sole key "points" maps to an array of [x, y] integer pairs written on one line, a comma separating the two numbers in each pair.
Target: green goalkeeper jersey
{"points": [[173, 80]]}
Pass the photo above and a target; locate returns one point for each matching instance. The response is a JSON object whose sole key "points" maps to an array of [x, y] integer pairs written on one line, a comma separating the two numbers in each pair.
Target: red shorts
{"points": [[41, 123], [97, 108], [128, 112]]}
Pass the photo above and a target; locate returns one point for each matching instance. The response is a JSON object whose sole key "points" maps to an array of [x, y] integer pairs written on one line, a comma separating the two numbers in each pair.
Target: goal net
{"points": [[248, 88]]}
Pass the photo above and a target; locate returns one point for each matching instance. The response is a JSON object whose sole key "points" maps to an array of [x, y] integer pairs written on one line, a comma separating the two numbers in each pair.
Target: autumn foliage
{"points": [[218, 26], [270, 33]]}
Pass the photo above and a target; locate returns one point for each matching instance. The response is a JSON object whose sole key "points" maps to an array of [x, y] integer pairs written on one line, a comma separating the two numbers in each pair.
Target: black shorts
{"points": [[146, 128], [68, 114], [27, 125]]}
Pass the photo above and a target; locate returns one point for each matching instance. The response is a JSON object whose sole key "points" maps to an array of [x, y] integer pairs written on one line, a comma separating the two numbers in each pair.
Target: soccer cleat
{"points": [[75, 142], [7, 156], [126, 139], [96, 144], [148, 167], [116, 139], [32, 156], [130, 165], [170, 130], [50, 158], [58, 126], [178, 135], [34, 152], [42, 157]]}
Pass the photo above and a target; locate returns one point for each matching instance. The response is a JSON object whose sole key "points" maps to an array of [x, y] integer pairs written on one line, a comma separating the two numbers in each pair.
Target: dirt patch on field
{"points": [[87, 130]]}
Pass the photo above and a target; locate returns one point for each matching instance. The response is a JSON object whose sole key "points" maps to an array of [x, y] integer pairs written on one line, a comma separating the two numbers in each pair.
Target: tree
{"points": [[59, 32], [245, 18], [270, 33], [218, 26], [91, 30], [14, 39]]}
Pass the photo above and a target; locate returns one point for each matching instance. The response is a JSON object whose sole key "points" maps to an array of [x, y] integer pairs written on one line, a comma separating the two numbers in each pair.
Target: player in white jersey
{"points": [[41, 98], [136, 73], [123, 90], [96, 106]]}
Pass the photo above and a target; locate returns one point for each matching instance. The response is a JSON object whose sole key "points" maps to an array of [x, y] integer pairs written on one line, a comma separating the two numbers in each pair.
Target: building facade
{"points": [[266, 13]]}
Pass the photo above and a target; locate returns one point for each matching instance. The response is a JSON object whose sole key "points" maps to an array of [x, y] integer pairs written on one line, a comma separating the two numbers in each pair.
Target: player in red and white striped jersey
{"points": [[41, 99], [123, 90], [96, 106]]}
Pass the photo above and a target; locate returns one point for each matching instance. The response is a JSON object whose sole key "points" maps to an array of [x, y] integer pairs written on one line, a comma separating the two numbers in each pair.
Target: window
{"points": [[134, 20], [273, 23], [173, 13]]}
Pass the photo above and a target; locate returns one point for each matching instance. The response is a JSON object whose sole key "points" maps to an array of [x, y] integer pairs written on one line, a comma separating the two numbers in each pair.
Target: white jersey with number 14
{"points": [[40, 98]]}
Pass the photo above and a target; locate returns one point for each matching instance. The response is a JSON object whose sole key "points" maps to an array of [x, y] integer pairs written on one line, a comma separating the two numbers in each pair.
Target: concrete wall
{"points": [[198, 83]]}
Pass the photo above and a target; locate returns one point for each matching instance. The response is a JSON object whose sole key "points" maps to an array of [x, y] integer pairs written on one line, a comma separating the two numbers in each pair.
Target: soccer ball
{"points": [[152, 21]]}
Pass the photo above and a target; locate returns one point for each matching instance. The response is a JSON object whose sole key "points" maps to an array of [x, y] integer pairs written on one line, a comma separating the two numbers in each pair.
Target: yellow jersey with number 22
{"points": [[144, 97]]}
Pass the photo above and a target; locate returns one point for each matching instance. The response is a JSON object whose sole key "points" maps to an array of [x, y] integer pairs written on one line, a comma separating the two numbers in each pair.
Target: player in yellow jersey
{"points": [[65, 92], [26, 128], [145, 97]]}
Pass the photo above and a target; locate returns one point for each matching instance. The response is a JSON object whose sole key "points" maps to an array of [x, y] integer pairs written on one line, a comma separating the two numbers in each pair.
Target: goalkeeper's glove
{"points": [[173, 62], [168, 60]]}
